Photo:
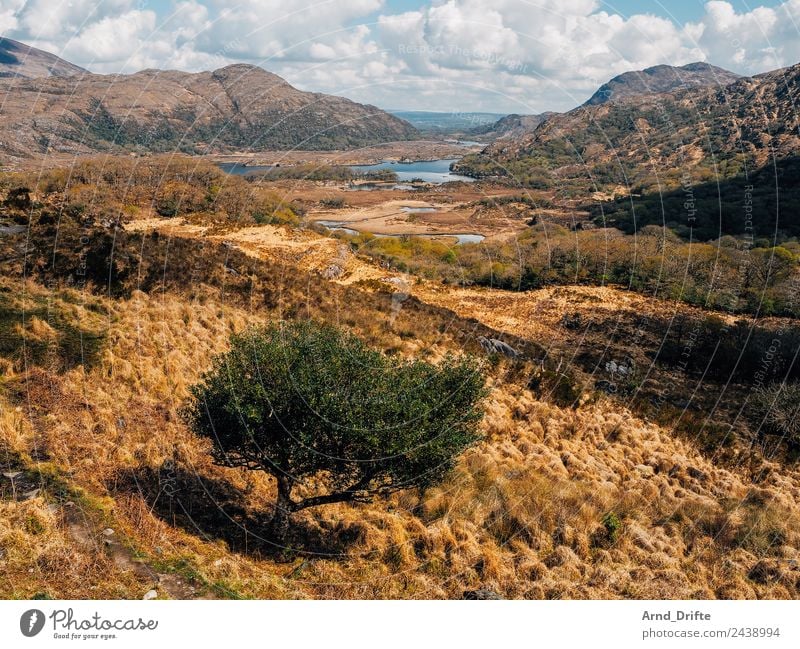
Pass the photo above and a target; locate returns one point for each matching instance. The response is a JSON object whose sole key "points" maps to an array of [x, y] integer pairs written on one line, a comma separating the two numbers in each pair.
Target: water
{"points": [[468, 238], [369, 187], [238, 169], [338, 226], [431, 171], [418, 210]]}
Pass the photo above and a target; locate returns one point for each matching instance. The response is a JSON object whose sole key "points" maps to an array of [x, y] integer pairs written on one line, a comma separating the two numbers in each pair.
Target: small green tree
{"points": [[304, 401]]}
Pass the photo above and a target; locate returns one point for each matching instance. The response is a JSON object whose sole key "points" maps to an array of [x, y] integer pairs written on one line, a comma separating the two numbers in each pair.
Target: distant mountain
{"points": [[686, 142], [453, 122], [693, 129], [661, 78], [511, 126], [239, 107], [20, 60]]}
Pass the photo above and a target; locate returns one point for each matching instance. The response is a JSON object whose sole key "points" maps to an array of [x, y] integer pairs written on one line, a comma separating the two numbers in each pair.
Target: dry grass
{"points": [[593, 502], [525, 513]]}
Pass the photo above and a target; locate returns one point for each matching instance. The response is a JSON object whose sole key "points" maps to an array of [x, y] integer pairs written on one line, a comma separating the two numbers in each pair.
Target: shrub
{"points": [[613, 526], [777, 407], [308, 403]]}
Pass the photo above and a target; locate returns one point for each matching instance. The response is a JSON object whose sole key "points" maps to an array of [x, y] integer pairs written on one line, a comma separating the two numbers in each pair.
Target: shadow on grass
{"points": [[214, 509]]}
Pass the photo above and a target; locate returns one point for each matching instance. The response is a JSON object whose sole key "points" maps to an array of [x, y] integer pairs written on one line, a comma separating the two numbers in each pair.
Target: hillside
{"points": [[236, 108], [20, 60], [661, 78], [659, 481], [511, 126], [646, 145], [654, 80]]}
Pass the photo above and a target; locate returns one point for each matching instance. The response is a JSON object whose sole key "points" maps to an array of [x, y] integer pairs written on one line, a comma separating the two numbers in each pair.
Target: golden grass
{"points": [[523, 514]]}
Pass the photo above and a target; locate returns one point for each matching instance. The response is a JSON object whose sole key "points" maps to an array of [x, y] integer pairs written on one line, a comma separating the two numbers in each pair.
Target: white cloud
{"points": [[751, 42], [507, 55], [298, 30], [115, 39]]}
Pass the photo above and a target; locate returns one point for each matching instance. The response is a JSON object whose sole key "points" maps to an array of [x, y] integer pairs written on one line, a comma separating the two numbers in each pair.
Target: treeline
{"points": [[340, 173], [725, 274], [765, 204], [118, 189]]}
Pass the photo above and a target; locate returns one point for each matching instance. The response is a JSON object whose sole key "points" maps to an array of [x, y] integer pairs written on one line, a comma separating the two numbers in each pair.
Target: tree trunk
{"points": [[279, 525]]}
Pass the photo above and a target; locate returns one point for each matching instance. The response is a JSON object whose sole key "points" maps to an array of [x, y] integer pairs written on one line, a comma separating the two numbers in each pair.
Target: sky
{"points": [[502, 56]]}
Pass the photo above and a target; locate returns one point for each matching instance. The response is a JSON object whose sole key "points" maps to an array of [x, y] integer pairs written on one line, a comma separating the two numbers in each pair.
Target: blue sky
{"points": [[522, 56], [679, 10]]}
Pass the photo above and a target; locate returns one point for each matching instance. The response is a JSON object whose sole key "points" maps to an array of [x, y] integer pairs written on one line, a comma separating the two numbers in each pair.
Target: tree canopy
{"points": [[301, 400]]}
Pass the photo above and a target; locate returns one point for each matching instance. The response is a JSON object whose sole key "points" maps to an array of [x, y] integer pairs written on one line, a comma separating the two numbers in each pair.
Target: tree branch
{"points": [[357, 492]]}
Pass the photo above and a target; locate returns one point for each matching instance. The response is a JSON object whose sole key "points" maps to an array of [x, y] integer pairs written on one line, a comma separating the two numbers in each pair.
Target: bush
{"points": [[777, 408], [308, 403]]}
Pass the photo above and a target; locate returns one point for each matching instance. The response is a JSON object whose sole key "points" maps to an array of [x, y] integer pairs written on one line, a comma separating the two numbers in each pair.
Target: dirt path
{"points": [[84, 533]]}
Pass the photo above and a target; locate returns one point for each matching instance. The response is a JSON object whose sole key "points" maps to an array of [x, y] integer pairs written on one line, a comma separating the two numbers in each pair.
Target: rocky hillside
{"points": [[239, 107], [654, 141], [20, 60], [511, 126], [658, 79], [661, 78]]}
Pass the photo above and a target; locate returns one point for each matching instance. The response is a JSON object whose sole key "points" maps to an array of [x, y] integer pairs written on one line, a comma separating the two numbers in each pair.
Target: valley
{"points": [[623, 275]]}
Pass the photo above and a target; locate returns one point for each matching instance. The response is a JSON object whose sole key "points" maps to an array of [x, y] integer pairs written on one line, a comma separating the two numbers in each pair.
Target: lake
{"points": [[431, 171], [339, 226], [238, 169]]}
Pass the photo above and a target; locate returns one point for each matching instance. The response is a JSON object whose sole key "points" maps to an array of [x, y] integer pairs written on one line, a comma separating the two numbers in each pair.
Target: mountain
{"points": [[657, 79], [702, 130], [452, 122], [20, 60], [661, 78], [511, 126], [709, 159], [239, 107]]}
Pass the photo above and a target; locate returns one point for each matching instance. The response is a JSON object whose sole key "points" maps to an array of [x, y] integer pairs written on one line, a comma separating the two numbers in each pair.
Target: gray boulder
{"points": [[495, 346]]}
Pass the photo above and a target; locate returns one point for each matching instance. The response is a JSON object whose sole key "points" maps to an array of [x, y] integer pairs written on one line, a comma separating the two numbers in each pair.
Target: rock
{"points": [[108, 532], [481, 593], [697, 474], [605, 386], [495, 346], [333, 271], [612, 367], [572, 321], [150, 594]]}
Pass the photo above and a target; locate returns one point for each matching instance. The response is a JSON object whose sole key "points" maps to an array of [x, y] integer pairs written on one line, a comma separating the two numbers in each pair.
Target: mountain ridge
{"points": [[661, 78], [21, 60], [703, 131], [236, 107]]}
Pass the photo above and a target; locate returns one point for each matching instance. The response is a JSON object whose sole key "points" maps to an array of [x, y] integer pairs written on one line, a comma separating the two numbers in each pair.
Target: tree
{"points": [[307, 402]]}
